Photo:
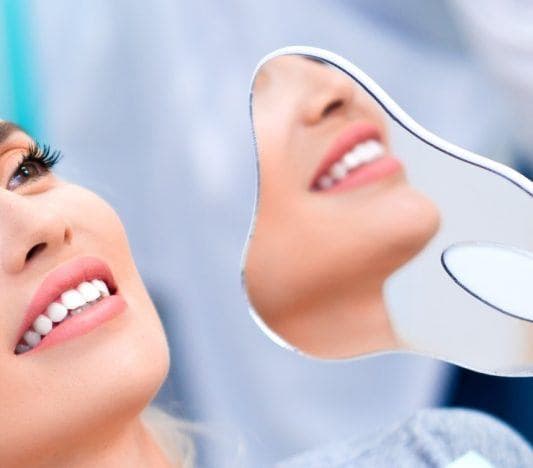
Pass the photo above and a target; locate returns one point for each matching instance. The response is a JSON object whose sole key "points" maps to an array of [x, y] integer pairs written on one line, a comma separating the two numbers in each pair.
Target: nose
{"points": [[29, 229], [332, 93]]}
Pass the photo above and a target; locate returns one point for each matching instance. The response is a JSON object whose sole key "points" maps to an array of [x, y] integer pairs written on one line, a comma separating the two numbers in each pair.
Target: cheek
{"points": [[97, 230], [74, 389], [317, 244], [94, 220], [100, 232], [71, 393]]}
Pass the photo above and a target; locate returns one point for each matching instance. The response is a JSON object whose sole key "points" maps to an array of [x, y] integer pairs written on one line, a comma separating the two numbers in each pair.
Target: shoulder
{"points": [[430, 438]]}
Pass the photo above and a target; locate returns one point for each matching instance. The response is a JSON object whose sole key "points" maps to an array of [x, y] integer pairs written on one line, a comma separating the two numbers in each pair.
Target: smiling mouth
{"points": [[70, 303], [356, 157], [362, 153]]}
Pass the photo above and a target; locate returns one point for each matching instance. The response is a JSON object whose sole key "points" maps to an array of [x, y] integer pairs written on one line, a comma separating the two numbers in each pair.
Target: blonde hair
{"points": [[172, 435], [175, 437]]}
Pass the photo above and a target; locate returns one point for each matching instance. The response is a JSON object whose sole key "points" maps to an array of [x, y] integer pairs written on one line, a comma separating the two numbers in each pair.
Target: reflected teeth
{"points": [[362, 153], [325, 182], [74, 300]]}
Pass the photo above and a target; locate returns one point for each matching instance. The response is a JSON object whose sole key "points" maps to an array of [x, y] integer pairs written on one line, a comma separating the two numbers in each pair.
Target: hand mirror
{"points": [[371, 234]]}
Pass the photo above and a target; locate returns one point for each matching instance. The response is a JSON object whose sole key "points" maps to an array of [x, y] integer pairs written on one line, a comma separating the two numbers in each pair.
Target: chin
{"points": [[138, 365], [296, 266], [89, 387], [417, 221], [127, 371]]}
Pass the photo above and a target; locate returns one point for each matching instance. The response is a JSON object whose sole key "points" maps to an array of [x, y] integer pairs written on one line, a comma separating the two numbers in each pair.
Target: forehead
{"points": [[7, 129]]}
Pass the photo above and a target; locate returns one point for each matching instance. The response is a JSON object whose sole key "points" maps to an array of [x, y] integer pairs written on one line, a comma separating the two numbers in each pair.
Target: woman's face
{"points": [[319, 229], [96, 369]]}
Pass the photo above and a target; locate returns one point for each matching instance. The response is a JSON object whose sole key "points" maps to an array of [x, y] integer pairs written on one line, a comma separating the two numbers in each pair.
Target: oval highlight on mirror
{"points": [[496, 274]]}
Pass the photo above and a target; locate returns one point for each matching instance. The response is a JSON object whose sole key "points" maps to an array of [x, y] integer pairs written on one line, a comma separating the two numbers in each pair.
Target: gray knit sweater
{"points": [[431, 438]]}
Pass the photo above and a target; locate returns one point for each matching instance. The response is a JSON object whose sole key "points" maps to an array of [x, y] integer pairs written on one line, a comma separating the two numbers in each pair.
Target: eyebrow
{"points": [[7, 129]]}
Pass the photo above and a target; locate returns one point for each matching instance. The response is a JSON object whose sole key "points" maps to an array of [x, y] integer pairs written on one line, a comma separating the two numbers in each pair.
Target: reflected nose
{"points": [[28, 231], [332, 94]]}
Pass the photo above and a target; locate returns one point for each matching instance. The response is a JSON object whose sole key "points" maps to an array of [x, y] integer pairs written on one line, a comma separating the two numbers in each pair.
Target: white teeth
{"points": [[351, 160], [42, 325], [365, 153], [22, 348], [325, 182], [375, 146], [79, 310], [338, 171], [362, 153], [56, 312], [72, 299], [32, 338], [101, 286], [88, 291]]}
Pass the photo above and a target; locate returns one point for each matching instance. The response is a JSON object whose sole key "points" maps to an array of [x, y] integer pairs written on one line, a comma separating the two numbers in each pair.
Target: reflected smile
{"points": [[363, 153], [356, 157]]}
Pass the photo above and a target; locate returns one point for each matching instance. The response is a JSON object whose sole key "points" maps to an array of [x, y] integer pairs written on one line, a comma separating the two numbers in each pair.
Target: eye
{"points": [[25, 172], [37, 162]]}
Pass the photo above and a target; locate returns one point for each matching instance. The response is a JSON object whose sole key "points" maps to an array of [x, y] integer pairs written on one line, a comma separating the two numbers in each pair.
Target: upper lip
{"points": [[350, 137], [67, 276]]}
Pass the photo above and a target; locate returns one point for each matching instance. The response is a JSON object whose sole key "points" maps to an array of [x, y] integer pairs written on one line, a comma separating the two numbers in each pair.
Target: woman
{"points": [[335, 213], [83, 350]]}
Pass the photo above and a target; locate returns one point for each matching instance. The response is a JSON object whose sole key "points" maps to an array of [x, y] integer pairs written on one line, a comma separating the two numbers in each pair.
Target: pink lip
{"points": [[65, 277], [345, 142]]}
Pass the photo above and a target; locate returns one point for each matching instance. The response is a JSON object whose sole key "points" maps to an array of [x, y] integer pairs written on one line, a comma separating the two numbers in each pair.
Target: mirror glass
{"points": [[357, 210]]}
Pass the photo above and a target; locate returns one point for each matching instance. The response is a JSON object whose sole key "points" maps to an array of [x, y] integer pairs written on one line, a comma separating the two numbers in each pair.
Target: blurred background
{"points": [[149, 104]]}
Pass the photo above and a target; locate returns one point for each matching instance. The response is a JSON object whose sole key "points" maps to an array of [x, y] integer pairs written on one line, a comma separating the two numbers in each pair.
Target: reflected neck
{"points": [[341, 325]]}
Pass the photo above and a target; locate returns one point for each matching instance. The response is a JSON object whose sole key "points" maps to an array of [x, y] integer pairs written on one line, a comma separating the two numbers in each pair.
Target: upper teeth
{"points": [[362, 153], [73, 300]]}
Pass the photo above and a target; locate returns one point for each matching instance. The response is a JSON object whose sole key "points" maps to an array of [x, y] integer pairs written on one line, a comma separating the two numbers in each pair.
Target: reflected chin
{"points": [[421, 221], [316, 278]]}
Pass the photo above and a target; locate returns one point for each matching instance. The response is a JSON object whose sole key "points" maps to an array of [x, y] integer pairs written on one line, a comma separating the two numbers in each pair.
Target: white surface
{"points": [[494, 273], [470, 459]]}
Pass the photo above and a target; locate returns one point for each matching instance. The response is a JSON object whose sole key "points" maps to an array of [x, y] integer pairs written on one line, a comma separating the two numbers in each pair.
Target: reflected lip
{"points": [[348, 139], [373, 171], [67, 276]]}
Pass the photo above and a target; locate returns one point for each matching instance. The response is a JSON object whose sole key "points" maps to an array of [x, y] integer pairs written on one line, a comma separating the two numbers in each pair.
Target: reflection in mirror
{"points": [[352, 215]]}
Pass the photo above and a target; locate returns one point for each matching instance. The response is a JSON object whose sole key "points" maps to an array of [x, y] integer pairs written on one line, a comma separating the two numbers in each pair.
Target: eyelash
{"points": [[36, 163], [41, 154]]}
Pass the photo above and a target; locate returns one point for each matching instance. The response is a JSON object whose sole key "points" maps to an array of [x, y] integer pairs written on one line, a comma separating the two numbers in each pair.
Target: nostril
{"points": [[35, 250], [332, 106], [67, 238]]}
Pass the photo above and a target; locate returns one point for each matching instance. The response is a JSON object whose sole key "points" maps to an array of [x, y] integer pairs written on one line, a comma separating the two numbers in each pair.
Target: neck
{"points": [[134, 445]]}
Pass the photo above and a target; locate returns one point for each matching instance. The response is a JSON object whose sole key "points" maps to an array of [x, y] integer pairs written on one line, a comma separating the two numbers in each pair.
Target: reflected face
{"points": [[336, 214], [101, 365]]}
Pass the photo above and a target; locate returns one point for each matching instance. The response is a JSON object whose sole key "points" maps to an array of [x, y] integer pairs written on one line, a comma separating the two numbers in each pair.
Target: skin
{"points": [[317, 261], [76, 403]]}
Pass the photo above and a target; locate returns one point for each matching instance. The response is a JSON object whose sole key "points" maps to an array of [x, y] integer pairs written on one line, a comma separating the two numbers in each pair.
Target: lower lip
{"points": [[77, 325], [369, 173]]}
